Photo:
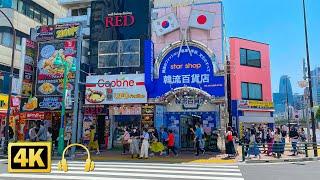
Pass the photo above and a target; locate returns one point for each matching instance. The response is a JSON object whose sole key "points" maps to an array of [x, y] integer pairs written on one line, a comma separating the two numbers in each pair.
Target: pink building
{"points": [[250, 81]]}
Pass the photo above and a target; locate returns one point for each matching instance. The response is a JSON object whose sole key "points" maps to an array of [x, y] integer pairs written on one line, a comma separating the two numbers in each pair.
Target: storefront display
{"points": [[148, 115]]}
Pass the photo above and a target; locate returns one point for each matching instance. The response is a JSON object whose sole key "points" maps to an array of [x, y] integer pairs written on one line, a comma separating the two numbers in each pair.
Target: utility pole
{"points": [[287, 102], [314, 138]]}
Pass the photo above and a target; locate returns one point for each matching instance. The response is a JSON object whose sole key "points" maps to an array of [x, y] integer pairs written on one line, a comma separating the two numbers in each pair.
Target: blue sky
{"points": [[278, 23]]}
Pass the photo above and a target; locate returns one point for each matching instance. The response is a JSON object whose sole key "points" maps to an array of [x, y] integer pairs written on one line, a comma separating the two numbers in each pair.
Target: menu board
{"points": [[147, 115], [50, 77], [29, 61]]}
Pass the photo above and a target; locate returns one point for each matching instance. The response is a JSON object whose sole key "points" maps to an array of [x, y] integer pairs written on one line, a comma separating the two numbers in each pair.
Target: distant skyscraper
{"points": [[279, 101], [298, 102], [286, 91], [315, 79]]}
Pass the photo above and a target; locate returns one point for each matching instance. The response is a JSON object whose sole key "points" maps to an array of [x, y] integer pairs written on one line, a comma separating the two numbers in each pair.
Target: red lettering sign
{"points": [[119, 20], [35, 115]]}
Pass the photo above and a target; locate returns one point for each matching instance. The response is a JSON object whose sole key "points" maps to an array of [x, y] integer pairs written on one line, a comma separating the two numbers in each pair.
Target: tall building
{"points": [[250, 83], [285, 89], [298, 101], [23, 15], [315, 79], [279, 101]]}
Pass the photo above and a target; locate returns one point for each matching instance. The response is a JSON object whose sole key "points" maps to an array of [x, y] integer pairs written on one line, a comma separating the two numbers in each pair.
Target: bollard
{"points": [[306, 149], [243, 153]]}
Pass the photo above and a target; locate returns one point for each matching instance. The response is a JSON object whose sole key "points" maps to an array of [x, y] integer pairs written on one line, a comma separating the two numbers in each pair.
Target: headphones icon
{"points": [[63, 166]]}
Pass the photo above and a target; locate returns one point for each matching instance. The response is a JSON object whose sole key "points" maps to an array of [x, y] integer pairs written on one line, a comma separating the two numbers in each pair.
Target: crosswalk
{"points": [[137, 171]]}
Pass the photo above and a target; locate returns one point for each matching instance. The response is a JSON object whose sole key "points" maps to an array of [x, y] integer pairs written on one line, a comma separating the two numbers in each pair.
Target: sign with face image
{"points": [[49, 76]]}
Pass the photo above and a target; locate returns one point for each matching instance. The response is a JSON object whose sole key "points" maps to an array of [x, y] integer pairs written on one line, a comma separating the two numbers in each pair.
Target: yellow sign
{"points": [[264, 104], [63, 165], [29, 157], [4, 102]]}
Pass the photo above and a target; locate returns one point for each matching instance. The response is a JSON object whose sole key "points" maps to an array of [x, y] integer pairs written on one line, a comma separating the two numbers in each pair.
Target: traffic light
{"points": [[5, 3]]}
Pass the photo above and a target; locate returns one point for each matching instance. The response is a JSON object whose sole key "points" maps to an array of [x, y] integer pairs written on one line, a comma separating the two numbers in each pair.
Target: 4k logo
{"points": [[29, 157]]}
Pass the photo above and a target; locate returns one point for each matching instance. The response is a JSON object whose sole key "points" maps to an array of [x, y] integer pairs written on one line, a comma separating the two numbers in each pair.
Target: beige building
{"points": [[24, 14]]}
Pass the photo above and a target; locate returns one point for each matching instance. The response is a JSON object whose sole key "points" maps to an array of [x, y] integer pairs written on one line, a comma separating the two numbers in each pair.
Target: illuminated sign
{"points": [[29, 157], [119, 19]]}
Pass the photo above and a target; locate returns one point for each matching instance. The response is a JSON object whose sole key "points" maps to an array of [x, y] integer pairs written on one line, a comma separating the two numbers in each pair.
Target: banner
{"points": [[115, 89], [55, 32], [28, 75], [46, 103], [149, 64], [245, 104], [50, 77]]}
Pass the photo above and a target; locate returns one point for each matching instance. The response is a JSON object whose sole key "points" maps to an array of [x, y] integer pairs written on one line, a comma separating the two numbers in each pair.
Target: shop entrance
{"points": [[101, 128], [120, 123], [187, 128]]}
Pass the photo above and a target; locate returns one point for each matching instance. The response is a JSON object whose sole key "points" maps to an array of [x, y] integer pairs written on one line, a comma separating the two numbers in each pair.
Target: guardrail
{"points": [[301, 148]]}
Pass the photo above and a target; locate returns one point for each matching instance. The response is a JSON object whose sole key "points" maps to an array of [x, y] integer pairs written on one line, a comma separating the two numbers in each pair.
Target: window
{"points": [[123, 53], [250, 58], [29, 11], [251, 91], [79, 12], [18, 43], [44, 18], [50, 20], [37, 16], [7, 39]]}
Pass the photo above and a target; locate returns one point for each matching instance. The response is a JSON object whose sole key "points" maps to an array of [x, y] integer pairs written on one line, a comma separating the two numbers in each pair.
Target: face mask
{"points": [[134, 130]]}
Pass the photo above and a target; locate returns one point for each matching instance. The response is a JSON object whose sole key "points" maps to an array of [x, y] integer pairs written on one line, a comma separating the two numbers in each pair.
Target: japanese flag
{"points": [[165, 24], [201, 19]]}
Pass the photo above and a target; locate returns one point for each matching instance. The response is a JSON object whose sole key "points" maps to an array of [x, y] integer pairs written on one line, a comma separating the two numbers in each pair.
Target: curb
{"points": [[283, 160]]}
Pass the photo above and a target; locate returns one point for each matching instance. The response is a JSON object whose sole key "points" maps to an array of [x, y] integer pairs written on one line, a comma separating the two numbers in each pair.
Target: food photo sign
{"points": [[49, 76], [115, 89]]}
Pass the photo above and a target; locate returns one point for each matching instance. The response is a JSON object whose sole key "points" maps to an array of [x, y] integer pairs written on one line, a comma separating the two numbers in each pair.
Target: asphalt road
{"points": [[282, 171]]}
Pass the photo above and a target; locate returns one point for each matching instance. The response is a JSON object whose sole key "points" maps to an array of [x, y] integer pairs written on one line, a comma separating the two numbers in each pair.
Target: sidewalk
{"points": [[183, 157]]}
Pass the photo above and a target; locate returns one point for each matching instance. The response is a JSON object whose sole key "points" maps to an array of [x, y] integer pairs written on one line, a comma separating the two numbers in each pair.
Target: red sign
{"points": [[92, 110], [35, 115], [119, 20]]}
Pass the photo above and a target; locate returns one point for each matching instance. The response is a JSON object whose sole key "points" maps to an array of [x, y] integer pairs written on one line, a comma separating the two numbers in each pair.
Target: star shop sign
{"points": [[186, 79]]}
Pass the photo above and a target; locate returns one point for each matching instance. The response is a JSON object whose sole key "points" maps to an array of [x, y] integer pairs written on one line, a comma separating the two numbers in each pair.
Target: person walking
{"points": [[145, 145], [32, 133], [198, 139], [277, 147], [125, 141], [134, 142], [171, 142], [230, 151], [270, 136], [253, 146], [42, 133], [294, 137], [93, 144]]}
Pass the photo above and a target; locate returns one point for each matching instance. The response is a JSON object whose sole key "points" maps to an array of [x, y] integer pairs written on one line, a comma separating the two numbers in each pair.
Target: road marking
{"points": [[48, 176]]}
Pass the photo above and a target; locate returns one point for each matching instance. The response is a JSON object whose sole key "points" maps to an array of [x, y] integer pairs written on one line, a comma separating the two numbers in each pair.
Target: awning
{"points": [[256, 119]]}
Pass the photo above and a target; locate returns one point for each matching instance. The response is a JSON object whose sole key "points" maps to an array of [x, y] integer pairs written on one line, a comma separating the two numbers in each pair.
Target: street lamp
{"points": [[66, 69]]}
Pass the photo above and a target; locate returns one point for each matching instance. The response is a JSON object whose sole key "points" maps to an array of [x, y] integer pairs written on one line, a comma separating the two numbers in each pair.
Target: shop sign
{"points": [[95, 109], [29, 60], [115, 89], [43, 33], [125, 110], [245, 104], [149, 64], [187, 67], [35, 115], [3, 102], [66, 31], [49, 77], [50, 103], [123, 19]]}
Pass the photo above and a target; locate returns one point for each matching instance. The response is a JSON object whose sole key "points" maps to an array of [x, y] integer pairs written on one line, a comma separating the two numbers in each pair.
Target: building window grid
{"points": [[246, 61], [33, 12], [119, 53], [245, 91]]}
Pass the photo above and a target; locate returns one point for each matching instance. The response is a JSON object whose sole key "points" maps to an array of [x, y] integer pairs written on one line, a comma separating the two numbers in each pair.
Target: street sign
{"points": [[29, 157]]}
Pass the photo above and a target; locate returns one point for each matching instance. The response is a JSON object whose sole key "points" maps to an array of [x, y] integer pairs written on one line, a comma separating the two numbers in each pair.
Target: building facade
{"points": [[315, 79], [250, 83]]}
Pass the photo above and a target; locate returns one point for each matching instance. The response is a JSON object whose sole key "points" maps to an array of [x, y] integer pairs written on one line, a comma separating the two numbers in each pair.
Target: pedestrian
{"points": [[230, 151], [277, 147], [42, 133], [134, 142], [302, 139], [163, 137], [264, 133], [270, 136], [145, 144], [11, 134], [253, 146], [235, 139], [49, 134], [156, 146], [125, 141], [171, 142], [294, 137], [246, 140], [198, 140], [32, 133], [93, 144]]}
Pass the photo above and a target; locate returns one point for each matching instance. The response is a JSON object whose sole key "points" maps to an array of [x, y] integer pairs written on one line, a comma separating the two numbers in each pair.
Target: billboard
{"points": [[115, 89]]}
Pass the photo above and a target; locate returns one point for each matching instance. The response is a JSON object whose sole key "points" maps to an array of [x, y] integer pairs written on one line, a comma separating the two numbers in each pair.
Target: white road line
{"points": [[158, 164], [173, 171], [154, 167], [3, 160], [132, 174], [48, 176]]}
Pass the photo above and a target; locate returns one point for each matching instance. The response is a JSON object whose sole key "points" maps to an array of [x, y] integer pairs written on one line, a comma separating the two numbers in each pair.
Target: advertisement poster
{"points": [[87, 122], [49, 76], [41, 103], [115, 89], [29, 62], [66, 31]]}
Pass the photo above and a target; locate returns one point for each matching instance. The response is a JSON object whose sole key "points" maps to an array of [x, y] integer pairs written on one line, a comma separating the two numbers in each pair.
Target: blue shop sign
{"points": [[192, 68]]}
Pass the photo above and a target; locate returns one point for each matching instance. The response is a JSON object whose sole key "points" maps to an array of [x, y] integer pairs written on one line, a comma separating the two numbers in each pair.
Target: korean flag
{"points": [[165, 24], [201, 19]]}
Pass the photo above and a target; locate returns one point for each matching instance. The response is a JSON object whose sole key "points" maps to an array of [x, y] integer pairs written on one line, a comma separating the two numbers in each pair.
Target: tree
{"points": [[318, 114]]}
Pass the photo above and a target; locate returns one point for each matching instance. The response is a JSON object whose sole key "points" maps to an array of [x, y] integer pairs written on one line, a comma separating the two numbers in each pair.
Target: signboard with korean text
{"points": [[192, 68], [115, 89], [45, 103], [125, 110], [29, 62], [66, 31], [50, 77], [55, 32], [252, 104]]}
